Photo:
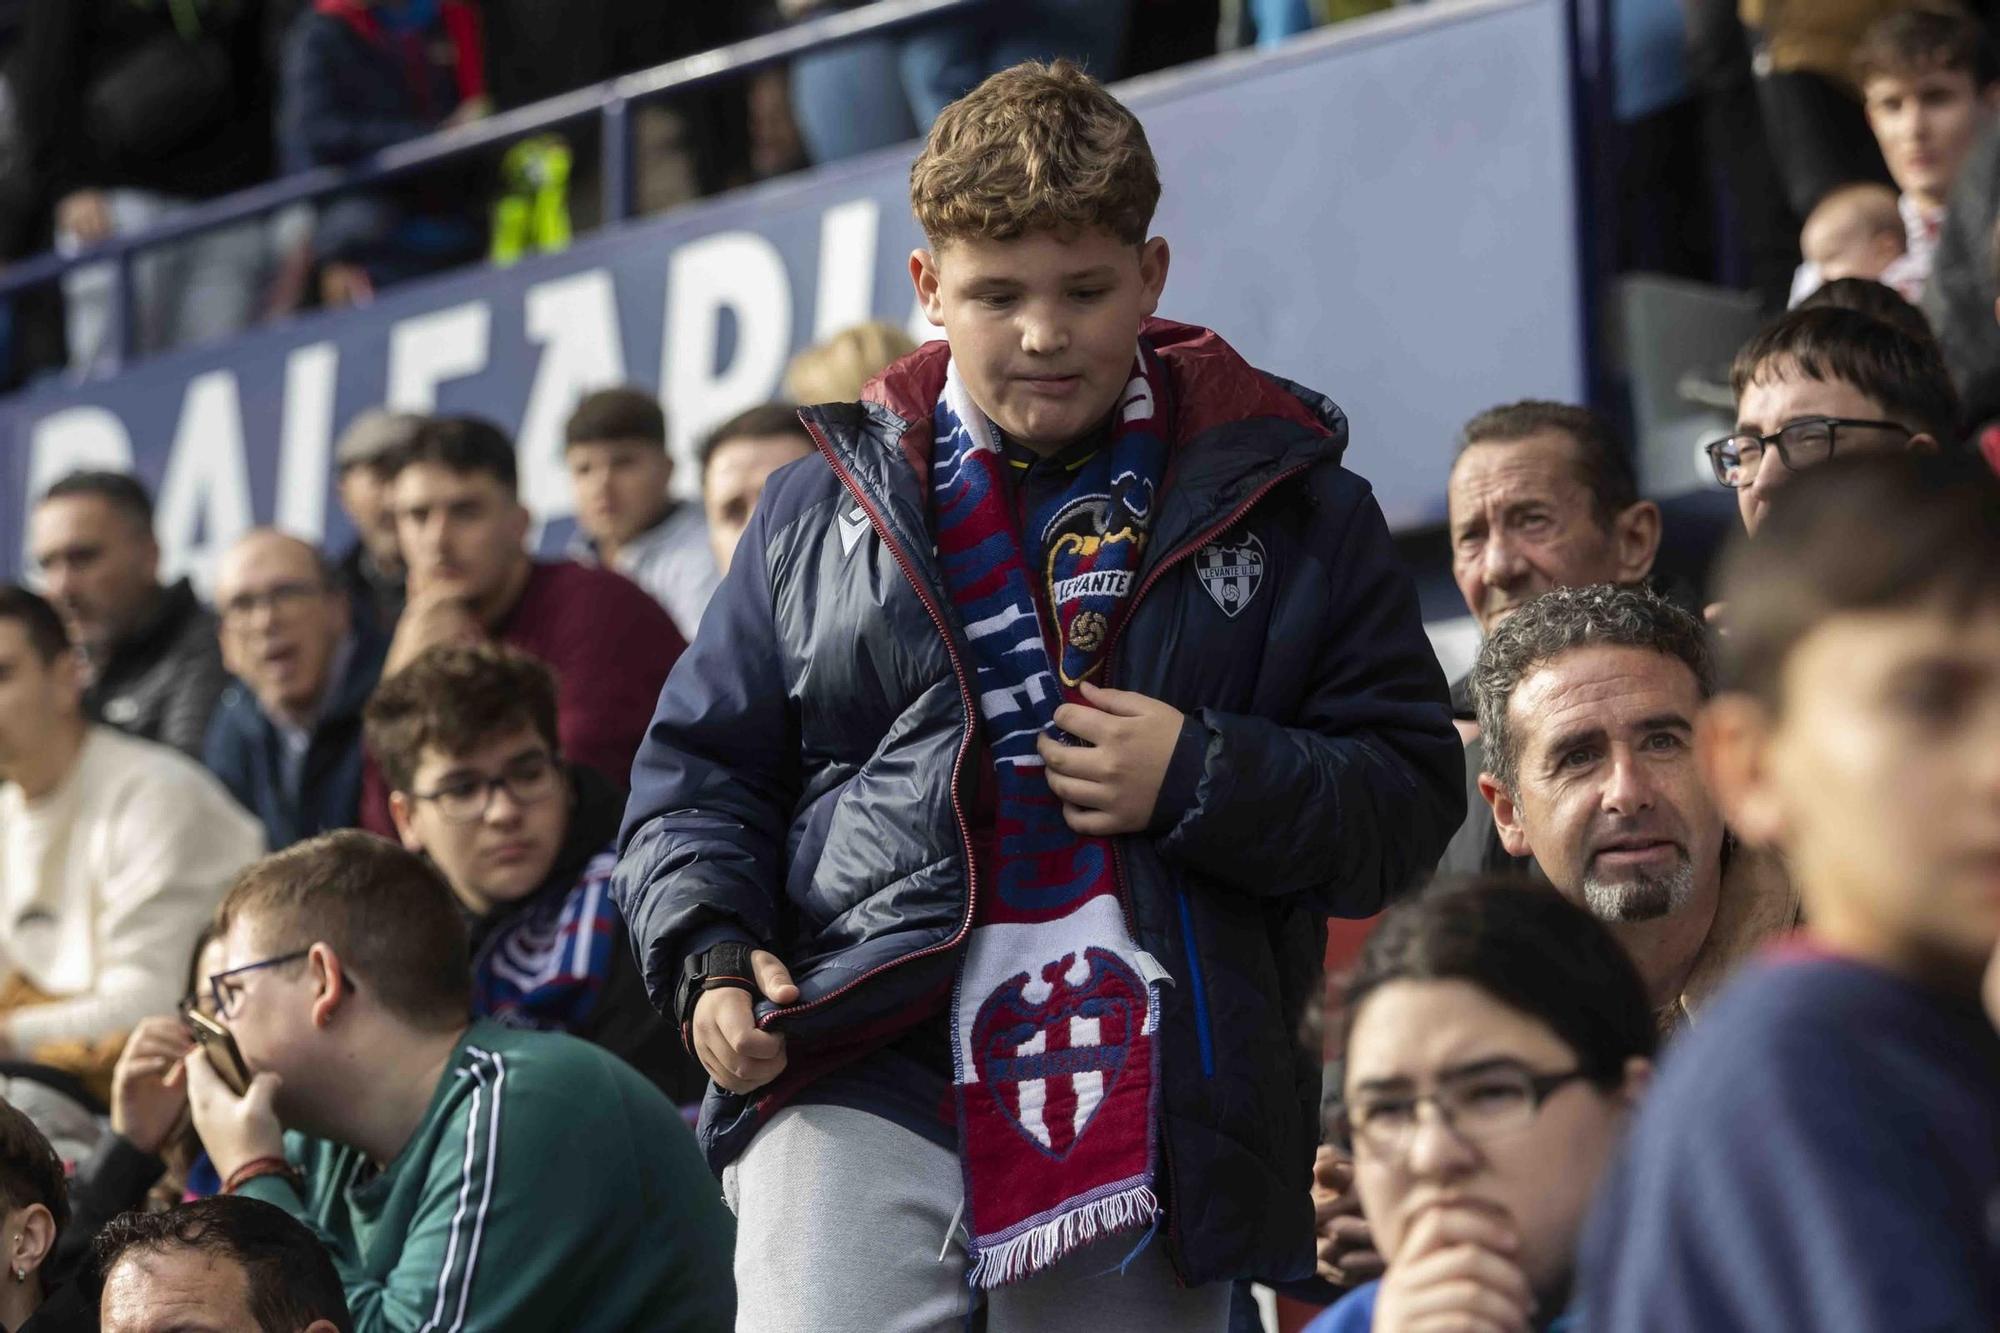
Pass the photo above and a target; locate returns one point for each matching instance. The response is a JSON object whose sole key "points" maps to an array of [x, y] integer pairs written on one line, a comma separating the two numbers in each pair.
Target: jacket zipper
{"points": [[958, 763], [1197, 989]]}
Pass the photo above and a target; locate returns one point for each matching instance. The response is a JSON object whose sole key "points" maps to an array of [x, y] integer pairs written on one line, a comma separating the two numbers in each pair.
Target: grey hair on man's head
{"points": [[1622, 616]]}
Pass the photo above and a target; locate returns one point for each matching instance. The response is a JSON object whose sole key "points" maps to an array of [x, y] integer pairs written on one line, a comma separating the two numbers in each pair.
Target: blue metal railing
{"points": [[610, 101]]}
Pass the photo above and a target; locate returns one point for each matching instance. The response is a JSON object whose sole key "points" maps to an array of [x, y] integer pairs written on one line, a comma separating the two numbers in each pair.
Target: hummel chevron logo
{"points": [[853, 524]]}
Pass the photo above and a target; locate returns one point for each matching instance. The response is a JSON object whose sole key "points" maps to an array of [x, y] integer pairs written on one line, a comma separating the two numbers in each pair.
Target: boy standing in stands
{"points": [[1927, 79], [1823, 1151], [982, 844]]}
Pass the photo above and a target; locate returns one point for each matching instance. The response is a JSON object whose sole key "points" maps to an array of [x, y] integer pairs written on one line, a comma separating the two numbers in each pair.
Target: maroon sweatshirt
{"points": [[610, 646]]}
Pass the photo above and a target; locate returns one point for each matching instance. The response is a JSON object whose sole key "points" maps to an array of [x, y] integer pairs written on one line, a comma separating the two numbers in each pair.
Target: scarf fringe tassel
{"points": [[1040, 1247]]}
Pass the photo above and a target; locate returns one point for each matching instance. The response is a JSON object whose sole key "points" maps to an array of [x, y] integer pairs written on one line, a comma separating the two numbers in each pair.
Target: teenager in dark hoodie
{"points": [[364, 75], [466, 737]]}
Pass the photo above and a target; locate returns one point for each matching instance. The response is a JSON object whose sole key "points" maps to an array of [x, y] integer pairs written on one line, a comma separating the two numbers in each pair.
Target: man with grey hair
{"points": [[1588, 699], [372, 569]]}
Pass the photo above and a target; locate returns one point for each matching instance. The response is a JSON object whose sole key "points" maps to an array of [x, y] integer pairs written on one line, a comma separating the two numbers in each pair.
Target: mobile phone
{"points": [[219, 1045]]}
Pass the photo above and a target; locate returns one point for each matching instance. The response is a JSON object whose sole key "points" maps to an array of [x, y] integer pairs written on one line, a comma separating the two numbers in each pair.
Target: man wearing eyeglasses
{"points": [[1819, 383], [466, 737], [461, 1174], [286, 739]]}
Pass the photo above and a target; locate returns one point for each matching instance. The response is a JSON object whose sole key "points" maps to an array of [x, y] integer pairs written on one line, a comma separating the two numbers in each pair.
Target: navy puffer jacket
{"points": [[806, 783]]}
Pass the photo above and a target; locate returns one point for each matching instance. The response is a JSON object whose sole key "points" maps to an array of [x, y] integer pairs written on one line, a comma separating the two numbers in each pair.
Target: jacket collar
{"points": [[1235, 429]]}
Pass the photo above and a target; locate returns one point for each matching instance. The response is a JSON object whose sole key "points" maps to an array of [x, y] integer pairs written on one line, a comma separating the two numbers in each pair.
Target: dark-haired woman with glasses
{"points": [[1498, 1040]]}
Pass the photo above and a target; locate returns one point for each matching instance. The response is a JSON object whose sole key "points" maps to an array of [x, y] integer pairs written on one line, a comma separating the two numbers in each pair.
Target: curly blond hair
{"points": [[1035, 148]]}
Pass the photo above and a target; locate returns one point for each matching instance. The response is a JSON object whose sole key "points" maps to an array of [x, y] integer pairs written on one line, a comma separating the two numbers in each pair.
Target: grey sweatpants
{"points": [[841, 1218]]}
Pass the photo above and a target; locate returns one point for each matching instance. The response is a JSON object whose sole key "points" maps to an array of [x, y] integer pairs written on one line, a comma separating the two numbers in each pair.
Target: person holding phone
{"points": [[509, 1178]]}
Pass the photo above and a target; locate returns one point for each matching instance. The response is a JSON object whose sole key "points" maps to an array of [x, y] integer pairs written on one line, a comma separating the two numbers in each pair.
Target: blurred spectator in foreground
{"points": [[372, 568], [287, 739], [34, 1193], [1823, 1151], [130, 114], [516, 1180], [836, 370], [1522, 1024], [461, 525], [1928, 82], [151, 661], [879, 91], [364, 75], [1588, 701], [1806, 90], [224, 1263], [467, 742], [1855, 232], [736, 460], [627, 519], [1872, 298], [113, 851], [1823, 382], [1541, 496]]}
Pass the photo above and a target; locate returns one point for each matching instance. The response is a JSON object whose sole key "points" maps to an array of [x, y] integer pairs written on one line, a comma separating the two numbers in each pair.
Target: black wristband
{"points": [[724, 966]]}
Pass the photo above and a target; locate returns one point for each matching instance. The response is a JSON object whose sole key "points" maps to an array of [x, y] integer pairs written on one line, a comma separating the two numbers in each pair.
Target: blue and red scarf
{"points": [[1053, 1024], [547, 966]]}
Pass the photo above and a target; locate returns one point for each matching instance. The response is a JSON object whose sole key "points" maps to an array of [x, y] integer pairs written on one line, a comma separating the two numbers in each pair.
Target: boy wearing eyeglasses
{"points": [[1822, 1151], [466, 737], [1825, 382]]}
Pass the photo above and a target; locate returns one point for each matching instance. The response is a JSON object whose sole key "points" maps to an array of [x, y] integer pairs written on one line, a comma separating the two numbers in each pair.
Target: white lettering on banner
{"points": [[305, 441], [427, 350], [575, 319], [846, 294], [204, 501], [69, 441], [744, 272]]}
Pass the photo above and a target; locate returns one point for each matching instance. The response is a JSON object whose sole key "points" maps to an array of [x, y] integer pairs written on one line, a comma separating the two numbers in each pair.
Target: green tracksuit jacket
{"points": [[549, 1187]]}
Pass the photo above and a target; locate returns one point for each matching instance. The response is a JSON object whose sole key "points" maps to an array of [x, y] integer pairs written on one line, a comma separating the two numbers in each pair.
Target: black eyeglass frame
{"points": [[1541, 1087], [1776, 440], [487, 786]]}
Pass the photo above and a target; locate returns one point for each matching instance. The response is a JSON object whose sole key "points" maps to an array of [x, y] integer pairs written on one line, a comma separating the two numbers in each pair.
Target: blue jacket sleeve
{"points": [[1354, 801], [701, 853]]}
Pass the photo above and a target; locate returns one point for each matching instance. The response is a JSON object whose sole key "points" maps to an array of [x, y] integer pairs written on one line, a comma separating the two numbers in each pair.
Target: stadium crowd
{"points": [[891, 892]]}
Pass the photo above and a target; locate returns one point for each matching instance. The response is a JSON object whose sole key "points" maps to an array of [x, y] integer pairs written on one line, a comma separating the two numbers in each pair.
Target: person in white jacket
{"points": [[114, 852]]}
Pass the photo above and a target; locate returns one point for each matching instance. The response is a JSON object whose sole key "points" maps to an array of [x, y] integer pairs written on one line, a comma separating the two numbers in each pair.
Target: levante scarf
{"points": [[1053, 1023]]}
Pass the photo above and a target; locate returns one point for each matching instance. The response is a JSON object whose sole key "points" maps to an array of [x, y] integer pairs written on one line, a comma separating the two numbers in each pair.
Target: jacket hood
{"points": [[1212, 385]]}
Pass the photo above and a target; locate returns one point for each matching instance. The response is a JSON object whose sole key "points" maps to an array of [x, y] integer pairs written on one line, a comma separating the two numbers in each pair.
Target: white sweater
{"points": [[106, 882]]}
